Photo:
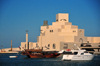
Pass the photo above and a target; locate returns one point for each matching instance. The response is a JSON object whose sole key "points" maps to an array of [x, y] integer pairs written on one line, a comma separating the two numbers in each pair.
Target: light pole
{"points": [[11, 45]]}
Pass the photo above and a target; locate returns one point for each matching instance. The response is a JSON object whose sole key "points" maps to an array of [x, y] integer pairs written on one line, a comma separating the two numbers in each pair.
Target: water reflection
{"points": [[24, 61]]}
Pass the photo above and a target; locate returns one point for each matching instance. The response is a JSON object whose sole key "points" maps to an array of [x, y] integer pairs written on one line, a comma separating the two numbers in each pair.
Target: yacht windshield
{"points": [[67, 52], [75, 53], [85, 52]]}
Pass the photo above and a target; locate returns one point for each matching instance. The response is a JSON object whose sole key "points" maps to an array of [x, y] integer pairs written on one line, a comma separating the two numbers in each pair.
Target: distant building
{"points": [[59, 36], [28, 45]]}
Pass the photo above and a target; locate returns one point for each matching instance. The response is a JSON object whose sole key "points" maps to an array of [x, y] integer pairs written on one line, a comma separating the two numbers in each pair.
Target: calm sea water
{"points": [[24, 61]]}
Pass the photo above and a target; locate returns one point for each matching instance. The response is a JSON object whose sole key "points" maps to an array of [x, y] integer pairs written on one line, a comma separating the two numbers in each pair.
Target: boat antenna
{"points": [[77, 47]]}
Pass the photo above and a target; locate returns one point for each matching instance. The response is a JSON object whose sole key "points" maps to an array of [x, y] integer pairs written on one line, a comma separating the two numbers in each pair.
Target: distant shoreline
{"points": [[9, 52]]}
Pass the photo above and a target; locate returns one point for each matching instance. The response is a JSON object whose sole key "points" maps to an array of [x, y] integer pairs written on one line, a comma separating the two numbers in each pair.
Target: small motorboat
{"points": [[12, 56]]}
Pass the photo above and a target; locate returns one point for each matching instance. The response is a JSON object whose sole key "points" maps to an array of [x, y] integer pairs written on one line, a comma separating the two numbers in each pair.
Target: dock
{"points": [[96, 50]]}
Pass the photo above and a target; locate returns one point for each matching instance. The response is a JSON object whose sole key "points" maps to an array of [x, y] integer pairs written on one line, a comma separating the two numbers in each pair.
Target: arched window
{"points": [[37, 45], [48, 45], [51, 30], [65, 46], [54, 46], [25, 46], [81, 40]]}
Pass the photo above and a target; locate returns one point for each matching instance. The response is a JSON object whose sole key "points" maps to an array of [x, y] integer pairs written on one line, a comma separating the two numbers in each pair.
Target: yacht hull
{"points": [[77, 57]]}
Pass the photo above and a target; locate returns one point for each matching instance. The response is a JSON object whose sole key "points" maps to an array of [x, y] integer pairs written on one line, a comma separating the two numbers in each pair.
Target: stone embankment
{"points": [[8, 50]]}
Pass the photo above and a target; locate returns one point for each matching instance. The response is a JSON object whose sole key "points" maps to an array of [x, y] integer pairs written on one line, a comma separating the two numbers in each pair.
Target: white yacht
{"points": [[77, 54]]}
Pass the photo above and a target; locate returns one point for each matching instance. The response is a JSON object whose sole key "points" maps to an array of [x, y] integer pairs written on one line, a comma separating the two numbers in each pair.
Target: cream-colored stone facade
{"points": [[60, 35], [29, 45], [93, 39], [61, 32]]}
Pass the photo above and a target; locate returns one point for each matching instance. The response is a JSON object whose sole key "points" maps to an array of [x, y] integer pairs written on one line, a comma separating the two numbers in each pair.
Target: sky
{"points": [[17, 16]]}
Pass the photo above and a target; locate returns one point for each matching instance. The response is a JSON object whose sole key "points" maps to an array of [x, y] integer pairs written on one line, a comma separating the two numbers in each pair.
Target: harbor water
{"points": [[24, 61]]}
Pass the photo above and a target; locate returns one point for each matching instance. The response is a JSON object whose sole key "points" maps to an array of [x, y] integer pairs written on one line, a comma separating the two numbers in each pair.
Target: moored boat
{"points": [[12, 56], [77, 55], [38, 53], [51, 54], [26, 51]]}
